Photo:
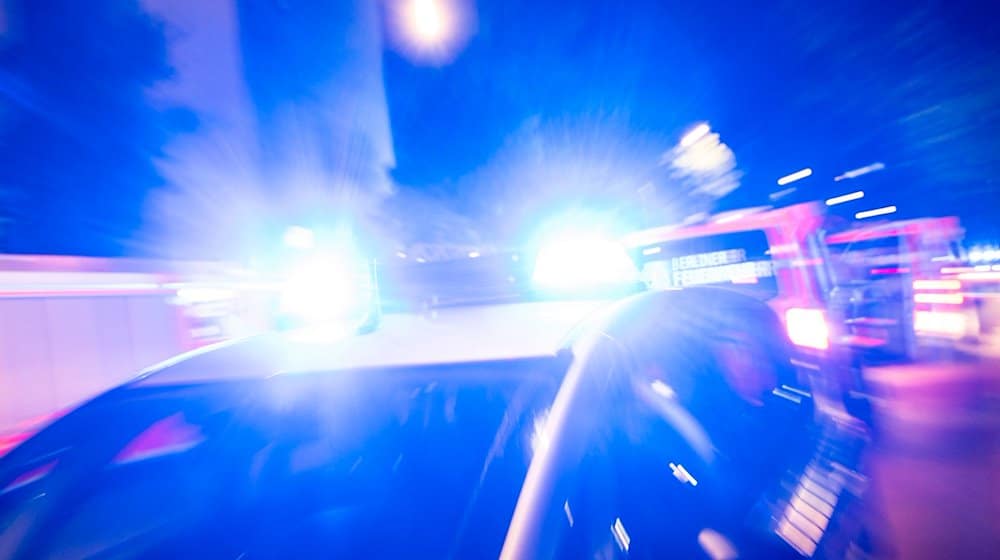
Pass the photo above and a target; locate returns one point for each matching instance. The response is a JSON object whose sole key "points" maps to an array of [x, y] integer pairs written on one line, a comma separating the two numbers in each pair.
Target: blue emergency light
{"points": [[583, 262], [326, 284]]}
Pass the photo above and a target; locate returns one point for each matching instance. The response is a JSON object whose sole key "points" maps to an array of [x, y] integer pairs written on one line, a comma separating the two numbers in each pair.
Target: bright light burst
{"points": [[431, 31], [580, 261], [428, 20]]}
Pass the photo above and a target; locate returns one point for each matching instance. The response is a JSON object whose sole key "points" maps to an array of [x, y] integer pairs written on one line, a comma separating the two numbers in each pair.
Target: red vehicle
{"points": [[776, 255], [892, 295]]}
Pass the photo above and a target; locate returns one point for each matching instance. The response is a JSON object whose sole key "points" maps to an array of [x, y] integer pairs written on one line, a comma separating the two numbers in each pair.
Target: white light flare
{"points": [[946, 299], [197, 294], [877, 166], [980, 276], [695, 134], [792, 177], [431, 31], [582, 261], [949, 324], [984, 253], [540, 440], [725, 219], [707, 153], [621, 535], [298, 237], [662, 389], [875, 212], [808, 328], [428, 20], [856, 195], [937, 285], [781, 194], [682, 474], [321, 288]]}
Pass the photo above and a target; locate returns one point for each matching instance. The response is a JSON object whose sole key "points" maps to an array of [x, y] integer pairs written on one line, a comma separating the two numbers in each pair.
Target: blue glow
{"points": [[578, 261], [328, 284]]}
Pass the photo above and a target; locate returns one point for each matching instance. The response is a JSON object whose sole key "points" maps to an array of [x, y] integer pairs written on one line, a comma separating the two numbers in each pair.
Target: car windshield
{"points": [[359, 464]]}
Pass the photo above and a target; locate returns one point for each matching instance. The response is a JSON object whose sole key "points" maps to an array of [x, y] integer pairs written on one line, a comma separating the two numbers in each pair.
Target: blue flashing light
{"points": [[577, 262], [331, 284]]}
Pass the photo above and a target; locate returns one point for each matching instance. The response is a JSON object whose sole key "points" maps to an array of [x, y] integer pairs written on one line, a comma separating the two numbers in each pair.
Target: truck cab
{"points": [[890, 293], [776, 255]]}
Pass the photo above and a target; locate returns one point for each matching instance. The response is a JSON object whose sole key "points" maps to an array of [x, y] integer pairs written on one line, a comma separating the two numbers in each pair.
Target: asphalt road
{"points": [[936, 462]]}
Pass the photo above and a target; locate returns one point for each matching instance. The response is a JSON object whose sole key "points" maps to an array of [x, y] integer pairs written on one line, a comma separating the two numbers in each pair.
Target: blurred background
{"points": [[159, 160]]}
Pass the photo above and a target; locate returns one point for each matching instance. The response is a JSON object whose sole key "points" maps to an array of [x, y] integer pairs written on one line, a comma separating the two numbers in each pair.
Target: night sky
{"points": [[787, 85]]}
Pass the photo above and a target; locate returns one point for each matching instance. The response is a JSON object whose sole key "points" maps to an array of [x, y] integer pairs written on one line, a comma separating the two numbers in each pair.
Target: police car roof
{"points": [[442, 336]]}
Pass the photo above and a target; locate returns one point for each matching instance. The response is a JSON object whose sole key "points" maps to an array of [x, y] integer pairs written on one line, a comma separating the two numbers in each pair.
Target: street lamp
{"points": [[429, 22], [431, 30]]}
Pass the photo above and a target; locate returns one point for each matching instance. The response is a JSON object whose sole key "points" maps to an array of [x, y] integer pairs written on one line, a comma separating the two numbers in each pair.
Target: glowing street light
{"points": [[428, 22], [430, 31]]}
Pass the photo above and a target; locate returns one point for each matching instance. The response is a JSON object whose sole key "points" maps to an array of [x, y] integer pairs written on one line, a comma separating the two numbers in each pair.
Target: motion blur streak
{"points": [[954, 299], [979, 276], [431, 31], [781, 194], [856, 195], [621, 535], [860, 171], [792, 177], [695, 134], [937, 285], [808, 327], [940, 322], [875, 212], [298, 237]]}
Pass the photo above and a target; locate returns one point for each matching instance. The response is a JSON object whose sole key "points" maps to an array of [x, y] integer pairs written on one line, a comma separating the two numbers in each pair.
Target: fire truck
{"points": [[777, 255], [896, 292]]}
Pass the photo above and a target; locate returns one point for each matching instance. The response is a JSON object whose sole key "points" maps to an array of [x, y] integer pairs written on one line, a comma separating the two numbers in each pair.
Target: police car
{"points": [[666, 424]]}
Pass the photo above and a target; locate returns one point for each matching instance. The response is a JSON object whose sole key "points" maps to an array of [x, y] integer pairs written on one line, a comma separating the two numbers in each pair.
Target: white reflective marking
{"points": [[662, 389], [621, 535], [681, 474]]}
